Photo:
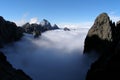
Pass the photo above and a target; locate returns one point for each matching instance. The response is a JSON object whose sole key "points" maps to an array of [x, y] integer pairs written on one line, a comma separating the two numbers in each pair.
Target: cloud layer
{"points": [[56, 55], [76, 25]]}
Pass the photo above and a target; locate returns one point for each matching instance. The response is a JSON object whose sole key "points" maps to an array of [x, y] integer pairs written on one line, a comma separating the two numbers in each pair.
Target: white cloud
{"points": [[114, 17], [34, 20], [25, 19], [76, 25], [22, 21]]}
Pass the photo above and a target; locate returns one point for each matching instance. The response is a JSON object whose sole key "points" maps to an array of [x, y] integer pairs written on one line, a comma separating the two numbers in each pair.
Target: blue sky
{"points": [[58, 11]]}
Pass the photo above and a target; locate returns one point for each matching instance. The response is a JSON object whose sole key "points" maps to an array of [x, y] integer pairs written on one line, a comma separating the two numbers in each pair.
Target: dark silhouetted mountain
{"points": [[66, 29], [46, 24], [9, 32], [55, 27], [104, 38], [7, 72]]}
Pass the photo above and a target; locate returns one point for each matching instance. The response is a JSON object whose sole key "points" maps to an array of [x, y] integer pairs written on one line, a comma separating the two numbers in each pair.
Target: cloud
{"points": [[114, 17], [34, 20], [76, 25], [23, 20], [56, 55]]}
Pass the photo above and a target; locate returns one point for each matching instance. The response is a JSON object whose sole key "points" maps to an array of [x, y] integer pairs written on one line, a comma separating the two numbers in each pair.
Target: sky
{"points": [[58, 11]]}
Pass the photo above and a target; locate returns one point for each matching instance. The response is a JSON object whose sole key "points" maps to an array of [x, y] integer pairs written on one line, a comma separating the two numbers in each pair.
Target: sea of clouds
{"points": [[56, 55]]}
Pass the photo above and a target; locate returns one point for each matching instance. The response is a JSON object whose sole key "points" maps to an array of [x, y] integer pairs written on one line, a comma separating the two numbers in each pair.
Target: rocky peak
{"points": [[100, 35], [45, 23], [102, 27], [1, 19], [55, 26]]}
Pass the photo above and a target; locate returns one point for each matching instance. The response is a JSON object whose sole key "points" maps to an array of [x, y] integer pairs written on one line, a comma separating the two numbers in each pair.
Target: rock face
{"points": [[7, 72], [99, 37], [105, 41], [9, 32]]}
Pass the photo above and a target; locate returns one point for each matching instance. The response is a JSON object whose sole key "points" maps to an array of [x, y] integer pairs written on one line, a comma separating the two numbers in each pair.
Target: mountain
{"points": [[55, 26], [44, 25], [100, 35], [9, 33], [103, 38]]}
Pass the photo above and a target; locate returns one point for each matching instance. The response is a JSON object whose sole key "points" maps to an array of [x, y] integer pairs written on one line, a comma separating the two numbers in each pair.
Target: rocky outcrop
{"points": [[105, 41], [66, 29], [7, 72], [9, 32], [100, 36]]}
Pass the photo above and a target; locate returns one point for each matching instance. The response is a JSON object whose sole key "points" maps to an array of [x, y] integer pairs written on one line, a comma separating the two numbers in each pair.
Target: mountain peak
{"points": [[45, 22]]}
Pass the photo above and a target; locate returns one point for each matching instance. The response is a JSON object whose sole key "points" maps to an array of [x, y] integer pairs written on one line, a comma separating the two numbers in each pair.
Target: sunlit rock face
{"points": [[100, 35]]}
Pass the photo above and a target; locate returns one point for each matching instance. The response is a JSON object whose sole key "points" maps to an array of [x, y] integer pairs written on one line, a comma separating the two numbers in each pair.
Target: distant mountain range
{"points": [[37, 29]]}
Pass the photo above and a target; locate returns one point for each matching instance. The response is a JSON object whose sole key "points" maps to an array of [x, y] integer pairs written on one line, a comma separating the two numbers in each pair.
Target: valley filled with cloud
{"points": [[55, 55]]}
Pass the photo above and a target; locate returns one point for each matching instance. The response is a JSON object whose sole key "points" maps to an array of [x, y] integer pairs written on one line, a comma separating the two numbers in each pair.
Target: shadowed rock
{"points": [[9, 32], [106, 67], [7, 72]]}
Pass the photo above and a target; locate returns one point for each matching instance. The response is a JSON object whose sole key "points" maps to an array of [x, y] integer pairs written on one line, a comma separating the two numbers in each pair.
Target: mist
{"points": [[56, 55]]}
